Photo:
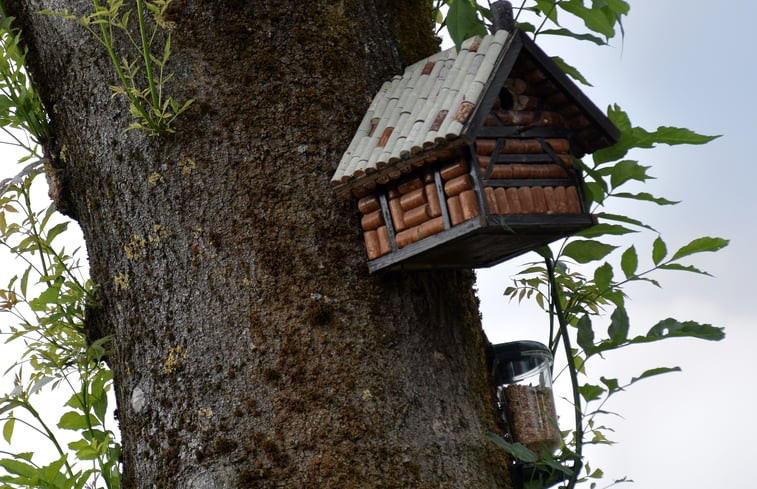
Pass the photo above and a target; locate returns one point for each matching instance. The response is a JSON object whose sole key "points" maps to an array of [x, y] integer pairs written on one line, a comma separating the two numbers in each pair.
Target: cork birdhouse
{"points": [[469, 158]]}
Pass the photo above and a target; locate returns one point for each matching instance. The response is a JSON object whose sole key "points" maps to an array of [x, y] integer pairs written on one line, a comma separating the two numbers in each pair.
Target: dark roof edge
{"points": [[504, 64], [559, 77]]}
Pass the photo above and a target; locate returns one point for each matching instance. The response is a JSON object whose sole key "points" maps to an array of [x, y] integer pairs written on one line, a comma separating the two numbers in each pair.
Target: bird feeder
{"points": [[522, 372], [470, 157]]}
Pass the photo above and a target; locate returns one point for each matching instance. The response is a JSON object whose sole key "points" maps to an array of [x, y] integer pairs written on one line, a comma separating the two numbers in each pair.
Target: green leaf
{"points": [[647, 197], [636, 137], [603, 277], [612, 384], [629, 262], [8, 429], [49, 296], [19, 468], [585, 335], [626, 170], [55, 231], [625, 219], [659, 250], [668, 328], [603, 229], [591, 392], [463, 21], [517, 450], [568, 33], [619, 325], [654, 371], [700, 245], [594, 18], [585, 251], [73, 421], [683, 268], [570, 70]]}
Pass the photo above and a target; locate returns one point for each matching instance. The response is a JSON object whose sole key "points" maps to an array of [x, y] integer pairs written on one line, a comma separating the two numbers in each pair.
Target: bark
{"points": [[234, 282]]}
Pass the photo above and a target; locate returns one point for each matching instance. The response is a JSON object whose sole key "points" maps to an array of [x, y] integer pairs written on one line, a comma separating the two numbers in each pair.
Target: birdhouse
{"points": [[470, 157]]}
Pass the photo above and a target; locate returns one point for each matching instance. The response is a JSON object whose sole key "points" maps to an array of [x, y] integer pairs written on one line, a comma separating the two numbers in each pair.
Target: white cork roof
{"points": [[427, 106]]}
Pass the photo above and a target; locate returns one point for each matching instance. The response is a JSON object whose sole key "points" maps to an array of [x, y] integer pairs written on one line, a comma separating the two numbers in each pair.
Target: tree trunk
{"points": [[250, 346]]}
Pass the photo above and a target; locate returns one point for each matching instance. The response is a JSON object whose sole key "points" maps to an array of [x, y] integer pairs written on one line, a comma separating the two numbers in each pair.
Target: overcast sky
{"points": [[688, 64]]}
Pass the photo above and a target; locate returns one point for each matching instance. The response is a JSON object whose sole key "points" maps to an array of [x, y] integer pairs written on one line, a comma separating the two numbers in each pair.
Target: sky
{"points": [[685, 64], [690, 65]]}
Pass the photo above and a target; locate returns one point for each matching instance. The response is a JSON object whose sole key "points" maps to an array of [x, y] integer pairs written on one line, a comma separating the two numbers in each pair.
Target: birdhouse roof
{"points": [[440, 102]]}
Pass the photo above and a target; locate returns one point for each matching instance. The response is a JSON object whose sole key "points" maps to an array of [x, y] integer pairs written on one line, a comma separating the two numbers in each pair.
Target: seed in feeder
{"points": [[531, 416]]}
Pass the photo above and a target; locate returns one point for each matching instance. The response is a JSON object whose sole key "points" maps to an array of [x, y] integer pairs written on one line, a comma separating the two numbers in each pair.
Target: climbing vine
{"points": [[578, 282], [42, 306], [142, 76]]}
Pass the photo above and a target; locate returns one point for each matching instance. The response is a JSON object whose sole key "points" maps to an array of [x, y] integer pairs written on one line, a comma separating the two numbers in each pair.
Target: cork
{"points": [[385, 137], [539, 201], [516, 85], [559, 145], [396, 211], [573, 201], [409, 185], [485, 146], [428, 177], [502, 205], [469, 204], [491, 201], [434, 206], [525, 102], [557, 99], [526, 202], [549, 197], [372, 247], [430, 227], [413, 199], [385, 245], [455, 210], [367, 204], [416, 233], [515, 117], [465, 110], [372, 220], [513, 200], [457, 185], [453, 170], [550, 119], [438, 120], [522, 170], [483, 162], [501, 172], [535, 76], [416, 216], [561, 198], [521, 146]]}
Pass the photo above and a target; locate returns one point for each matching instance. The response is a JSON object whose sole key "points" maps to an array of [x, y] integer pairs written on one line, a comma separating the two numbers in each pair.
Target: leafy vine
{"points": [[45, 301], [576, 298], [143, 78]]}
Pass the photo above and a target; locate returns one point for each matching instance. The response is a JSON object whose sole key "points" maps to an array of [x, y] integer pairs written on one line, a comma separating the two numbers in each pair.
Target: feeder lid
{"points": [[518, 360]]}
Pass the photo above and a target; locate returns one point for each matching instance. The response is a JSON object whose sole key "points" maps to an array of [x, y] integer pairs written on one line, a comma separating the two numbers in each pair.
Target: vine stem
{"points": [[563, 329], [146, 55], [107, 38]]}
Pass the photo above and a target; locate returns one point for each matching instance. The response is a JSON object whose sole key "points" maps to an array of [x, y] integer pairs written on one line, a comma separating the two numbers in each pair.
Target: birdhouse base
{"points": [[482, 242]]}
